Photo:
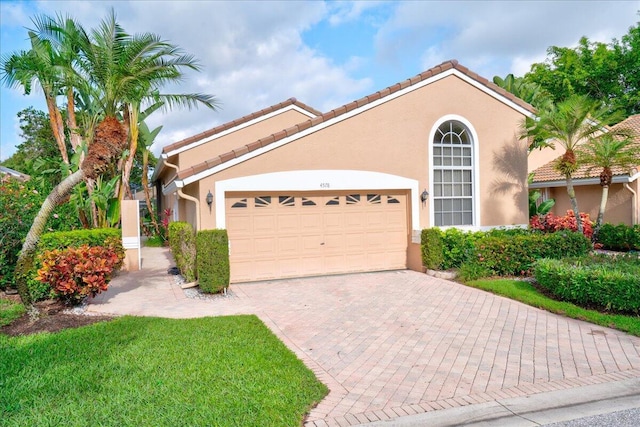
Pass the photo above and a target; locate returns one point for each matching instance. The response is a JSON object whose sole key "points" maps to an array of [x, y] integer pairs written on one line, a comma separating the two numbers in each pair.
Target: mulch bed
{"points": [[52, 318]]}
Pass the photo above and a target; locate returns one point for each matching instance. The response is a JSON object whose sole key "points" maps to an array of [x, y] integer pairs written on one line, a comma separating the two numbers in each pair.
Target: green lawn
{"points": [[134, 371], [525, 292], [9, 311]]}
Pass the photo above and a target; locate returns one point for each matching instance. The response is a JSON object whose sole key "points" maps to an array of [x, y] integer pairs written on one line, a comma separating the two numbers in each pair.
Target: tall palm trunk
{"points": [[109, 141], [55, 119], [132, 120], [25, 260], [574, 202]]}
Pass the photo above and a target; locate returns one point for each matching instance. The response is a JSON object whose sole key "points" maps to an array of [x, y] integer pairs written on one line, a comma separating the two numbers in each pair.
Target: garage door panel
{"points": [[264, 224], [288, 245], [265, 246], [290, 235]]}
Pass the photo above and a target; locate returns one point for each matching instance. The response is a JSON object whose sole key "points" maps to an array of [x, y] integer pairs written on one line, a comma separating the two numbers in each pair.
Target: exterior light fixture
{"points": [[424, 196], [209, 200]]}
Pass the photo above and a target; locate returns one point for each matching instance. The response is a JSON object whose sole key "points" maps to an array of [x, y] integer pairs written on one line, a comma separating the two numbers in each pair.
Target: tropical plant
{"points": [[120, 72], [616, 148], [147, 138], [529, 92], [539, 209], [567, 124]]}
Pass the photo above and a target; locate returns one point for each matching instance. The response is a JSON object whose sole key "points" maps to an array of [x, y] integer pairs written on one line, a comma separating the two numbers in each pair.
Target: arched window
{"points": [[453, 175]]}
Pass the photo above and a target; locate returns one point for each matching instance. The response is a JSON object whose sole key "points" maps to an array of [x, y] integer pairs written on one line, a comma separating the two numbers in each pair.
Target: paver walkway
{"points": [[399, 343]]}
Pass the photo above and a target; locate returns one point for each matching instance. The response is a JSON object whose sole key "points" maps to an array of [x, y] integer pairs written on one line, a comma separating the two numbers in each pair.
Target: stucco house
{"points": [[622, 206], [306, 193]]}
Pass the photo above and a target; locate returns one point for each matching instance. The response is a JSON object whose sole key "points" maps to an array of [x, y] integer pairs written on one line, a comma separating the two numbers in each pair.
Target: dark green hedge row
{"points": [[619, 237], [212, 260], [182, 241], [601, 281], [516, 255], [67, 239], [503, 252]]}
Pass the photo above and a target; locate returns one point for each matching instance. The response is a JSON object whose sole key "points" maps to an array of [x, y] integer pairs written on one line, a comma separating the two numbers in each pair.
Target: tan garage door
{"points": [[295, 234]]}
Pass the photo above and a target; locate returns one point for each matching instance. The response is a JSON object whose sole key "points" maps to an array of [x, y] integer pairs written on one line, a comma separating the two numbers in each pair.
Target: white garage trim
{"points": [[317, 180]]}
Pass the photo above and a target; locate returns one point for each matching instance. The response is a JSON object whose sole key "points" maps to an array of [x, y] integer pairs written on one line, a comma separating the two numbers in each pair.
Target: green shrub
{"points": [[473, 270], [431, 246], [601, 281], [154, 241], [76, 273], [515, 255], [106, 237], [212, 260], [182, 241], [619, 237], [459, 247], [19, 204]]}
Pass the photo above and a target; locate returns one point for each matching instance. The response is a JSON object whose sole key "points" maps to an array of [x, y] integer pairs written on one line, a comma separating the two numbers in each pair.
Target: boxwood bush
{"points": [[598, 280], [431, 245], [515, 255], [182, 241], [619, 237], [212, 260]]}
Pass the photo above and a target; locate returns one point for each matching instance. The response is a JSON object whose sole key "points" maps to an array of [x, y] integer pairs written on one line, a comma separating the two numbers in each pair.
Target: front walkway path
{"points": [[399, 343]]}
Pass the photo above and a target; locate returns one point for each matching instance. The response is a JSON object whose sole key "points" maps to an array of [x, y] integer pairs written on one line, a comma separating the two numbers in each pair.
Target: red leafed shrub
{"points": [[551, 223], [75, 273]]}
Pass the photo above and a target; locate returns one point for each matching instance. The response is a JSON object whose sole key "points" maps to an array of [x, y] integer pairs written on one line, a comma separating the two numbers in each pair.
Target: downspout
{"points": [[634, 210], [186, 196]]}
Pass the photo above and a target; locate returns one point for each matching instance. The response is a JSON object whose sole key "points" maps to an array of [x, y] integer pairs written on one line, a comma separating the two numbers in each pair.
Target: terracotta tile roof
{"points": [[547, 173], [237, 122], [438, 69]]}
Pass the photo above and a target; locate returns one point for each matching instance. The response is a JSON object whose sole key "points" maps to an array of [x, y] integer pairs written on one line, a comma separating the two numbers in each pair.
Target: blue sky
{"points": [[256, 54]]}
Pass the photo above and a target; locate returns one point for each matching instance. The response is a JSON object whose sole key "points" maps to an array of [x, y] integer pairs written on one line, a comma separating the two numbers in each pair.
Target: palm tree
{"points": [[569, 123], [38, 66], [127, 72], [120, 72], [529, 92], [606, 151]]}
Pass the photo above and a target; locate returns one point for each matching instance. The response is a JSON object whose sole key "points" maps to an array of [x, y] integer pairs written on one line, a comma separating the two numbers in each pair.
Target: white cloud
{"points": [[487, 36]]}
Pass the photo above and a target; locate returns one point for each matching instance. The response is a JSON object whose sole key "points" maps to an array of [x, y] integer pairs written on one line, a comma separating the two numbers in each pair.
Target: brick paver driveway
{"points": [[397, 343]]}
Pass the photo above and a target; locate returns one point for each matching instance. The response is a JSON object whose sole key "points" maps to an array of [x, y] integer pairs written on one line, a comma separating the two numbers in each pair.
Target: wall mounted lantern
{"points": [[424, 196], [209, 200]]}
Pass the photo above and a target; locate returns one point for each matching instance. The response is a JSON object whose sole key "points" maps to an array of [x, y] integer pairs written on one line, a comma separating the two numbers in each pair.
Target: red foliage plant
{"points": [[551, 223], [75, 273]]}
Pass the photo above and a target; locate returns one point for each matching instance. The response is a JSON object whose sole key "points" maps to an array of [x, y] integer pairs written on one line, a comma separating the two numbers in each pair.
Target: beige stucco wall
{"points": [[393, 138], [619, 205], [238, 138]]}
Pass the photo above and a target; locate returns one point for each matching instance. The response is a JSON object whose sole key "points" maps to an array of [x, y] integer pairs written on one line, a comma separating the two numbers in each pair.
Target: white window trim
{"points": [[476, 168], [317, 180]]}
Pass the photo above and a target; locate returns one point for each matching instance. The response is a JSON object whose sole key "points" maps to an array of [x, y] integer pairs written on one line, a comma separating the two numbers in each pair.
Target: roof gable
{"points": [[201, 138], [275, 140]]}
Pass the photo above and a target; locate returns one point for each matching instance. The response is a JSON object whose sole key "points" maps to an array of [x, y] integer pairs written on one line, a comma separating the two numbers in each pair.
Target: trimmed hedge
{"points": [[432, 250], [182, 241], [601, 281], [212, 260], [106, 237], [619, 237], [516, 255]]}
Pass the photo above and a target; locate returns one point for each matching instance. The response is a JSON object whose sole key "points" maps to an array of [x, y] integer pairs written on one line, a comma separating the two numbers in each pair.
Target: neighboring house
{"points": [[622, 205], [302, 193], [14, 174]]}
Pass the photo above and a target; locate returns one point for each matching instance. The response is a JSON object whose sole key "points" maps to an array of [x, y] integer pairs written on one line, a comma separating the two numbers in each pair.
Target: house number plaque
{"points": [[325, 185]]}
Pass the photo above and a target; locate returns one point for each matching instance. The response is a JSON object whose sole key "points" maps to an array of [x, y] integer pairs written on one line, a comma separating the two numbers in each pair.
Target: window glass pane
{"points": [[467, 218], [456, 217], [467, 204], [466, 176], [467, 190], [437, 190], [447, 176]]}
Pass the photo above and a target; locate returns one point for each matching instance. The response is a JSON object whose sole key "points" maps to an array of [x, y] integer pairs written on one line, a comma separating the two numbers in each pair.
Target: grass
{"points": [[10, 311], [135, 371], [154, 242], [526, 293]]}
